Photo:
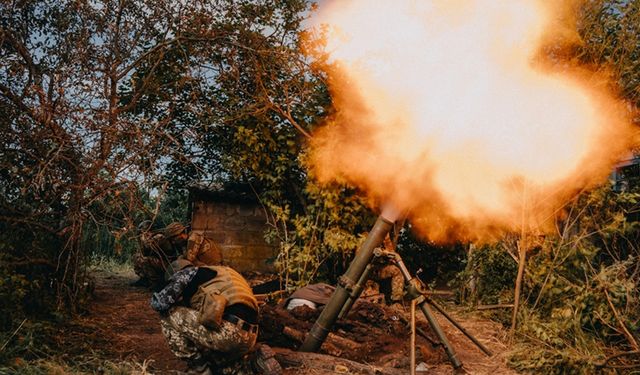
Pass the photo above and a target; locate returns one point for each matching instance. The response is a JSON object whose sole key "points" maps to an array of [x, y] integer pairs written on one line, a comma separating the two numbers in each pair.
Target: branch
{"points": [[287, 115], [626, 332], [160, 46]]}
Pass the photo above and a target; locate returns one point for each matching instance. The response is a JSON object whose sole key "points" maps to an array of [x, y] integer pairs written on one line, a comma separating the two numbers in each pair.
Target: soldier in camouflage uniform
{"points": [[389, 274], [209, 318], [392, 273], [157, 250]]}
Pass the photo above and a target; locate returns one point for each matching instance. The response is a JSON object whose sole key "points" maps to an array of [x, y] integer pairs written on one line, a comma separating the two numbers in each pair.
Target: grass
{"points": [[110, 264]]}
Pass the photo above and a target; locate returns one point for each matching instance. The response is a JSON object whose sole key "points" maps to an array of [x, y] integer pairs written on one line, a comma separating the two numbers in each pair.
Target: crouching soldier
{"points": [[209, 317], [391, 273], [386, 277]]}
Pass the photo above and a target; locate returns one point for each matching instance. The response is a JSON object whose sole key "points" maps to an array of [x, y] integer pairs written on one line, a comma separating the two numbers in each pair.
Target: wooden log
{"points": [[335, 344], [320, 364]]}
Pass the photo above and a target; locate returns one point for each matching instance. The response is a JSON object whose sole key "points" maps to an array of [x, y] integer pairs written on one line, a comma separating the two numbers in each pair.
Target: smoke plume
{"points": [[453, 110]]}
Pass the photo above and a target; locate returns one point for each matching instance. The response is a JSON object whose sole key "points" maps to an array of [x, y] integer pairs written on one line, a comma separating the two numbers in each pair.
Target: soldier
{"points": [[392, 273], [388, 274], [209, 317], [157, 250]]}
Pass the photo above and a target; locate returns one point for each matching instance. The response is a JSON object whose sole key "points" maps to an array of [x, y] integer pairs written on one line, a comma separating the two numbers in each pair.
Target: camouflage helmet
{"points": [[144, 226], [173, 229], [175, 266]]}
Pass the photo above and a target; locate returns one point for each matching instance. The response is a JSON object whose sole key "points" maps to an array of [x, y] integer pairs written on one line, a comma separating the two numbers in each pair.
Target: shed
{"points": [[234, 220]]}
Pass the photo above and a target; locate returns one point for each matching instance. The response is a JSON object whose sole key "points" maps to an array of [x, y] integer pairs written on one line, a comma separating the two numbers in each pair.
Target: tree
{"points": [[99, 100]]}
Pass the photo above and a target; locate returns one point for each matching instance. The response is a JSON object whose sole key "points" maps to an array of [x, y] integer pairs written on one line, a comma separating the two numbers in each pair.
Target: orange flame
{"points": [[444, 107]]}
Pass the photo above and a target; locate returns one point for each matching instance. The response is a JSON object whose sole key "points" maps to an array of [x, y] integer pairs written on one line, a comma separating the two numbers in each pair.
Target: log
{"points": [[335, 344], [320, 364]]}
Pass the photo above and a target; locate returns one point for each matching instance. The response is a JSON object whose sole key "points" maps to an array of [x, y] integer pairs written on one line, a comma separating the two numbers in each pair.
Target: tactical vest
{"points": [[229, 284]]}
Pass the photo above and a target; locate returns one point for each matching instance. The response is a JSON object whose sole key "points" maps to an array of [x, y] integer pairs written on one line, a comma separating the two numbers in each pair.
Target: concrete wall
{"points": [[238, 230]]}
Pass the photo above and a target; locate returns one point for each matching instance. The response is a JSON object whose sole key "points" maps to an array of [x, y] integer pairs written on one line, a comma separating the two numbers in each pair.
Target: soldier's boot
{"points": [[198, 366], [263, 361]]}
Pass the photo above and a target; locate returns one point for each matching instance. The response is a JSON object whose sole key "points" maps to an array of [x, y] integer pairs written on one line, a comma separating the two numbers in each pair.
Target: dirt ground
{"points": [[129, 325], [130, 330]]}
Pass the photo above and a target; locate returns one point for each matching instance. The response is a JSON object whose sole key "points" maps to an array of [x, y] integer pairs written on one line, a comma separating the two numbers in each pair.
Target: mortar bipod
{"points": [[416, 290], [350, 286]]}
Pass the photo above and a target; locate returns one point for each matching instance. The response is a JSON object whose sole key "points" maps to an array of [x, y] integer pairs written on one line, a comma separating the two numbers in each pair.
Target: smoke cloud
{"points": [[450, 109]]}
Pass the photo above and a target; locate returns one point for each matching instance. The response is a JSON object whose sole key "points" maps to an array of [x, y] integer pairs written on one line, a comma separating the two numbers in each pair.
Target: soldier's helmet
{"points": [[173, 230], [144, 226], [175, 266]]}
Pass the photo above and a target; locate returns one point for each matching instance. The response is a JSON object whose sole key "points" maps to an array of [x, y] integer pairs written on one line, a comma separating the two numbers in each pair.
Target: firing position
{"points": [[209, 317]]}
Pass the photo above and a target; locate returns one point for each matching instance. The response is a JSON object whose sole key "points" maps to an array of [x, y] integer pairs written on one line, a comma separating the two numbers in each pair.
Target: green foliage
{"points": [[489, 275], [609, 31], [25, 287], [580, 288], [317, 241]]}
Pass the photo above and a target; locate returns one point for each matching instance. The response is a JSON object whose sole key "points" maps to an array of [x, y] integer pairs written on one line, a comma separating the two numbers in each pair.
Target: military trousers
{"points": [[224, 348]]}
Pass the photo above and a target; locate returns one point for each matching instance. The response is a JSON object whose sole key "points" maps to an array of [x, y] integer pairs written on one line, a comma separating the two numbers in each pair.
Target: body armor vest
{"points": [[228, 283]]}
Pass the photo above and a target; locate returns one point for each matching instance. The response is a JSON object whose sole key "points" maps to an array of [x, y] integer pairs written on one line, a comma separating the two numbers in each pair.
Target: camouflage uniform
{"points": [[384, 271], [393, 274], [224, 349], [157, 251]]}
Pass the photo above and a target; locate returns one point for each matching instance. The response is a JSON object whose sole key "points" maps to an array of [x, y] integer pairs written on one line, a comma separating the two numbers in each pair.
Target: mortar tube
{"points": [[329, 314]]}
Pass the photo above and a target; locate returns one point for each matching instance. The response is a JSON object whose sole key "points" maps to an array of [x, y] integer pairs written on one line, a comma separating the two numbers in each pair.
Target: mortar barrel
{"points": [[329, 314]]}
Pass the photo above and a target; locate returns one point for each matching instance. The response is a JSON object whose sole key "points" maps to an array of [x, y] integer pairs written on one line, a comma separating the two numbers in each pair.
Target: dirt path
{"points": [[130, 330], [129, 325]]}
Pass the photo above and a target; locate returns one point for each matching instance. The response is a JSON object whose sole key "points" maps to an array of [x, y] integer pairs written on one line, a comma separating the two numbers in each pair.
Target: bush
{"points": [[488, 277], [438, 264], [580, 299]]}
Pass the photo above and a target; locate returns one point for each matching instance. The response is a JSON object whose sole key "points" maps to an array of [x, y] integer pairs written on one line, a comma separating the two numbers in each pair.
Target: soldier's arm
{"points": [[163, 300]]}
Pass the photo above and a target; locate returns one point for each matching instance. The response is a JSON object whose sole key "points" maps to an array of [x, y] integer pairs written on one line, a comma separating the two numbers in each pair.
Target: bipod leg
{"points": [[415, 290], [444, 341], [458, 326]]}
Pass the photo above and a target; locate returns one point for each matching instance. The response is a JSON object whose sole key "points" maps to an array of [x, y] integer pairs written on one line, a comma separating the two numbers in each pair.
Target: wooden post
{"points": [[522, 258], [413, 337]]}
